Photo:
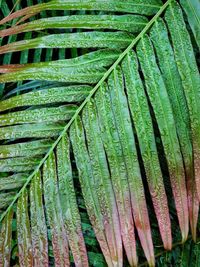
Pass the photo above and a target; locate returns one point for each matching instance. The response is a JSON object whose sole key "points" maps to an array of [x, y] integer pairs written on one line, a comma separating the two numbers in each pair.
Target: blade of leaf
{"points": [[150, 7], [61, 113], [68, 94], [12, 182], [84, 69], [37, 130], [38, 224], [191, 7], [119, 179], [143, 124], [54, 74], [130, 23], [188, 70], [21, 164], [170, 74], [24, 232], [54, 213], [164, 115], [93, 39], [6, 199], [102, 182], [86, 177], [122, 121], [25, 149], [5, 240], [71, 216], [96, 59]]}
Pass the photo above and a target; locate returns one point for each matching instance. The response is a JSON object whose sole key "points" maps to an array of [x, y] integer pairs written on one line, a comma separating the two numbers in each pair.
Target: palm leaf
{"points": [[96, 121], [144, 128], [192, 11], [190, 80]]}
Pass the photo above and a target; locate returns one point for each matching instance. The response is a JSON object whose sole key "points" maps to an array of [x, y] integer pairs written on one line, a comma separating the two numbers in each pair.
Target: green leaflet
{"points": [[54, 213], [38, 223], [96, 59], [119, 178], [38, 130], [88, 185], [6, 199], [186, 63], [67, 94], [71, 216], [6, 239], [21, 164], [54, 74], [26, 149], [143, 125], [12, 182], [150, 7], [84, 69], [61, 113], [158, 96], [124, 128], [187, 67], [24, 232], [192, 10], [170, 74], [112, 40], [103, 185], [129, 23]]}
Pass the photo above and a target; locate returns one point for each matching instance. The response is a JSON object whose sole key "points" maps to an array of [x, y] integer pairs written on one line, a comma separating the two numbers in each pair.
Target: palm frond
{"points": [[122, 123]]}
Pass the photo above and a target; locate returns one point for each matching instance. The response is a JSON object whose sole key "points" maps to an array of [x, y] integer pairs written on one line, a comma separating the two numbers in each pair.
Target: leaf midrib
{"points": [[79, 109]]}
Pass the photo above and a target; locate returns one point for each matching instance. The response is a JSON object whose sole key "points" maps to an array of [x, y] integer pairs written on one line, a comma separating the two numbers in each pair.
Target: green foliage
{"points": [[99, 134]]}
